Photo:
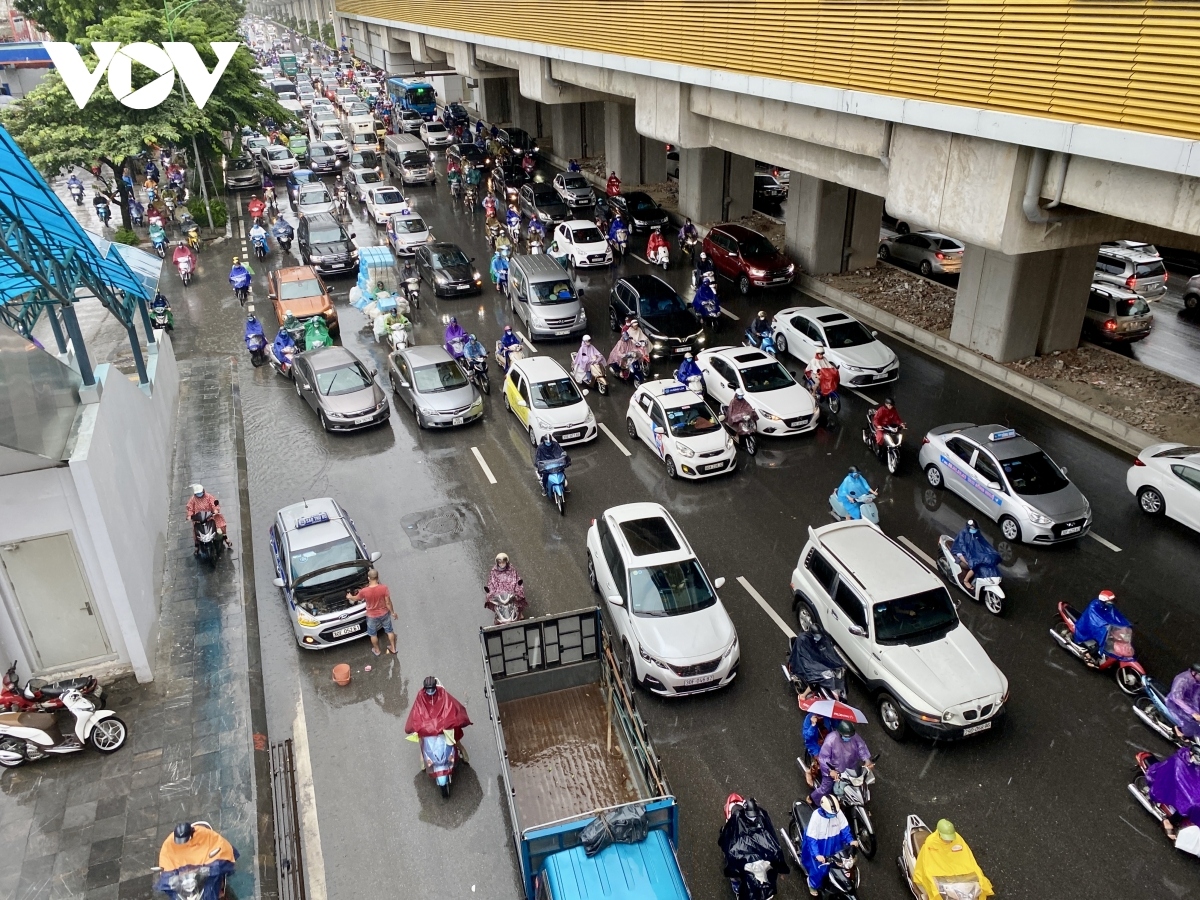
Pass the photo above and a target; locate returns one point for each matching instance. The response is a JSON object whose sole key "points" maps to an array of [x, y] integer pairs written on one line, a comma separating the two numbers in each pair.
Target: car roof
{"points": [[1175, 451], [577, 223], [649, 285], [742, 357], [1128, 253], [939, 236], [630, 512], [680, 395], [638, 195], [880, 566], [294, 273], [297, 173], [1117, 293], [540, 368], [425, 354], [444, 245], [826, 315], [332, 357], [1007, 448], [736, 231], [317, 533], [311, 187]]}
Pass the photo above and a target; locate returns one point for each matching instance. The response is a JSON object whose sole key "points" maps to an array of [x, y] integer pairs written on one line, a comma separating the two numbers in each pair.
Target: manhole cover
{"points": [[444, 525]]}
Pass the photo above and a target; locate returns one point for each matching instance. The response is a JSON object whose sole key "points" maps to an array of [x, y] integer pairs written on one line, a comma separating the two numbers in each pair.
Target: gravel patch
{"points": [[918, 300]]}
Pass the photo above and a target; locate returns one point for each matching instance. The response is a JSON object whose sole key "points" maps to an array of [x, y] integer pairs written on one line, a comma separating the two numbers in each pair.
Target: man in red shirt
{"points": [[379, 610]]}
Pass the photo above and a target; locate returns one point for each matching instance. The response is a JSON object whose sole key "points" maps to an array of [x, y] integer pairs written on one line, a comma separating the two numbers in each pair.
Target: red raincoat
{"points": [[431, 716]]}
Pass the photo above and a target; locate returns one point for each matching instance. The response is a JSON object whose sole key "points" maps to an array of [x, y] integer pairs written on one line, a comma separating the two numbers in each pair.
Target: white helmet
{"points": [[587, 338]]}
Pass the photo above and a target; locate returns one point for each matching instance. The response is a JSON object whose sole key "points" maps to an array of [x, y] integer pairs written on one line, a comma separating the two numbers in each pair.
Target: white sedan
{"points": [[680, 427], [435, 134], [1166, 479], [860, 357], [358, 181], [383, 201], [784, 406], [582, 244]]}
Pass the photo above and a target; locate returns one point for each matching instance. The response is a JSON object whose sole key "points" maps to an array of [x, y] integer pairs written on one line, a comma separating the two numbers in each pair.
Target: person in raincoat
{"points": [[455, 333], [625, 346], [828, 833], [975, 554], [295, 328], [160, 302], [688, 369], [503, 578], [189, 848], [1175, 782], [748, 837], [1184, 701], [946, 856], [254, 337], [843, 749], [434, 712], [586, 357], [499, 270], [284, 348], [316, 333], [851, 491], [1098, 616], [705, 294], [814, 731]]}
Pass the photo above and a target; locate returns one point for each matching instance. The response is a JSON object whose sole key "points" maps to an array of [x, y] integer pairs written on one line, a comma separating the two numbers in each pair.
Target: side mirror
{"points": [[353, 235], [522, 404], [615, 600], [403, 383], [874, 334], [374, 372], [270, 295], [719, 583], [376, 555], [857, 630], [1063, 469], [993, 485], [278, 582]]}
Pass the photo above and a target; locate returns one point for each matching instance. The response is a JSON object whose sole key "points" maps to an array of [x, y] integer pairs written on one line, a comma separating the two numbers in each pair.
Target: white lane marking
{"points": [[783, 626], [612, 437], [640, 259], [483, 465], [526, 342], [314, 855], [865, 397], [917, 550], [1109, 544], [731, 315]]}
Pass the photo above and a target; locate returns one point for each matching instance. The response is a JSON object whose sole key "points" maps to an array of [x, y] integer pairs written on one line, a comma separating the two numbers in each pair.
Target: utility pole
{"points": [[171, 13]]}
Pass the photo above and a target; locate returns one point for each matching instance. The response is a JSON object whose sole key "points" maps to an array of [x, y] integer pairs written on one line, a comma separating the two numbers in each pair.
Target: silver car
{"points": [[574, 190], [430, 383], [1007, 478], [314, 198], [277, 161], [1134, 270], [928, 252], [359, 181]]}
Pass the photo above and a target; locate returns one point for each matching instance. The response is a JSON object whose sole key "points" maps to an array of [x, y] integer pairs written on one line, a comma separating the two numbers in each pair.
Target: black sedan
{"points": [[507, 178], [768, 192], [664, 316], [340, 389], [455, 114], [448, 270], [637, 209], [322, 159], [468, 153]]}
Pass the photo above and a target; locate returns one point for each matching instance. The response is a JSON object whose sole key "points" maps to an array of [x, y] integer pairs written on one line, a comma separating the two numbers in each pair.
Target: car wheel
{"points": [[631, 429], [891, 718], [1151, 501], [902, 228], [532, 437], [1191, 301], [631, 675], [420, 418], [613, 322], [591, 572], [672, 472], [781, 345], [925, 268], [806, 616], [934, 476], [1010, 528], [324, 421], [507, 405], [744, 285], [884, 253]]}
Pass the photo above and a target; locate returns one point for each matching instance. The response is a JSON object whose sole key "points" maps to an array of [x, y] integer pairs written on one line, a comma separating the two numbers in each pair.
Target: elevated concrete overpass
{"points": [[1032, 131]]}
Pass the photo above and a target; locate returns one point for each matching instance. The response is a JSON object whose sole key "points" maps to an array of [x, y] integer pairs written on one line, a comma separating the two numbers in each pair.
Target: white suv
{"points": [[676, 638], [894, 623]]}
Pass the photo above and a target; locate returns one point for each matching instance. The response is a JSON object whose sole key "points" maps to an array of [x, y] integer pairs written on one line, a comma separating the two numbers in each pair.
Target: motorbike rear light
{"points": [[1138, 462], [1110, 325], [1131, 282]]}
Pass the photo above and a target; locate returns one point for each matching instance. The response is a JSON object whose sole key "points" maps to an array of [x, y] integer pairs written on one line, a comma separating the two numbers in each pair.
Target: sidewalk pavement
{"points": [[89, 826]]}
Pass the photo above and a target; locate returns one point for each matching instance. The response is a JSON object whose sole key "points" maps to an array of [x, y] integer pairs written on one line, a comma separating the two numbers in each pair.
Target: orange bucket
{"points": [[341, 674]]}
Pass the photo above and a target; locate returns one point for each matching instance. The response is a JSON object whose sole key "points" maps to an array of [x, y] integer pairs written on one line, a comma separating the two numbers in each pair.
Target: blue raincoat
{"points": [[814, 733], [283, 343], [1093, 625], [616, 226], [827, 834], [239, 277], [1176, 782], [254, 334], [499, 266], [705, 294], [859, 486], [979, 554], [687, 369]]}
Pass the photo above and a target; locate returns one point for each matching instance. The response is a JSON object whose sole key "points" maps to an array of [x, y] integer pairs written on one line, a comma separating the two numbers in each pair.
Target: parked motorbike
{"points": [[866, 506], [1140, 789], [596, 376], [1152, 709], [44, 696], [210, 543], [887, 452], [1116, 656], [765, 342], [556, 481], [744, 431], [841, 883], [985, 590], [475, 368], [31, 736]]}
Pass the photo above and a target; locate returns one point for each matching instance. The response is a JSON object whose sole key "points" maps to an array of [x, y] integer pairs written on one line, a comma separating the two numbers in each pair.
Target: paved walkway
{"points": [[89, 826]]}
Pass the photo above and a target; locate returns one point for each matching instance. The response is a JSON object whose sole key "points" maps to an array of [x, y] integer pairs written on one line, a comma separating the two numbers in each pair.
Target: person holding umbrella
{"points": [[843, 749]]}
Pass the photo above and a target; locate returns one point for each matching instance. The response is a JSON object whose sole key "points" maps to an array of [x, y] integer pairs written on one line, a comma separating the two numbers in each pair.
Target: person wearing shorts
{"points": [[379, 610]]}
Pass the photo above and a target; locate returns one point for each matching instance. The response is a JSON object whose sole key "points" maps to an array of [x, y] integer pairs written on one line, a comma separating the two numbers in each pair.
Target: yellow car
{"points": [[540, 393]]}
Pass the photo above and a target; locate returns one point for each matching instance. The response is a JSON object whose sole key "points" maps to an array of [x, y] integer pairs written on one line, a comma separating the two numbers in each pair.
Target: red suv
{"points": [[747, 258]]}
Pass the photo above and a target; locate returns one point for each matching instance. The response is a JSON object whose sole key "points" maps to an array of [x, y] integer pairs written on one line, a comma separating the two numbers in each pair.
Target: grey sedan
{"points": [[340, 389], [428, 381], [928, 252], [241, 172]]}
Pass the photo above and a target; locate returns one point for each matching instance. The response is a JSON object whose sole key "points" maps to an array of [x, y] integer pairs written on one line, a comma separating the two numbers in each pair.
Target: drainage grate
{"points": [[289, 854]]}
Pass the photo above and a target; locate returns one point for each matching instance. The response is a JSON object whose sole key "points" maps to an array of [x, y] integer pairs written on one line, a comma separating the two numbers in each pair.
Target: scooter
{"points": [[709, 313], [814, 667], [184, 268], [192, 230], [1140, 789], [887, 452], [256, 343], [470, 198], [514, 231], [504, 360], [281, 366], [399, 336], [915, 834], [505, 609], [208, 541], [1152, 709], [439, 756], [412, 290], [456, 347], [824, 389], [634, 368], [204, 870], [556, 481], [660, 257], [45, 696], [985, 590], [475, 368], [158, 237], [758, 881], [765, 342], [536, 245], [161, 318], [843, 876], [260, 247], [31, 736], [866, 506], [619, 241], [687, 247], [744, 431], [76, 193], [1117, 654], [596, 376]]}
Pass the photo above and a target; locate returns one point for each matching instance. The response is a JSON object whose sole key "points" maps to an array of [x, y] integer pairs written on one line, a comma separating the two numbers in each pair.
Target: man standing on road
{"points": [[379, 610]]}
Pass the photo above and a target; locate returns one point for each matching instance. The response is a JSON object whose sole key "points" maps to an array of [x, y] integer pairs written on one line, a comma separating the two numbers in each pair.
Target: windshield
{"points": [[847, 334], [279, 153], [669, 590], [642, 205], [243, 162], [434, 128], [444, 259], [415, 158], [331, 134], [325, 236], [1127, 307], [321, 196], [389, 197], [901, 620], [407, 224], [546, 293], [420, 95], [575, 182], [555, 394], [1034, 474], [345, 380], [587, 236], [662, 305], [443, 376], [755, 245], [767, 377], [295, 290], [319, 152], [368, 177], [343, 550], [692, 420]]}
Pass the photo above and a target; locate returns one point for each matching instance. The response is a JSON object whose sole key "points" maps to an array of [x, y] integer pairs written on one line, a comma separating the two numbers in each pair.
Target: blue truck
{"points": [[573, 747], [414, 94]]}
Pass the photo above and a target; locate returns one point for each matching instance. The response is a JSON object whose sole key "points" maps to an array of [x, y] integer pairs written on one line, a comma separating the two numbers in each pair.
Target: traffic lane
{"points": [[1173, 345]]}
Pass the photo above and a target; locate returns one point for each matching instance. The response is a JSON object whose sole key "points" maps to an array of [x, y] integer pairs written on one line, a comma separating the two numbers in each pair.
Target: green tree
{"points": [[68, 20]]}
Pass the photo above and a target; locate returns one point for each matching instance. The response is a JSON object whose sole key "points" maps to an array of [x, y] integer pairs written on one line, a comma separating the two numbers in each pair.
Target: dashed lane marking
{"points": [[917, 550], [612, 437], [865, 397], [758, 598], [483, 465], [1109, 544], [640, 259], [731, 315]]}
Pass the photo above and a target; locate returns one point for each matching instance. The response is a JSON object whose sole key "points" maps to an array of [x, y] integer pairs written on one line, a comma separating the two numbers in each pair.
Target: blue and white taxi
{"points": [[679, 426], [1007, 478]]}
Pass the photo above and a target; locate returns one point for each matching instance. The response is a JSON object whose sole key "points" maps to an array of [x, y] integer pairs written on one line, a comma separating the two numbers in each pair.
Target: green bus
{"points": [[287, 62]]}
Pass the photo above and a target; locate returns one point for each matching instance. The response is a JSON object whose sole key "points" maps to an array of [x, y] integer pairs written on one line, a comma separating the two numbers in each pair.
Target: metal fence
{"points": [[289, 853]]}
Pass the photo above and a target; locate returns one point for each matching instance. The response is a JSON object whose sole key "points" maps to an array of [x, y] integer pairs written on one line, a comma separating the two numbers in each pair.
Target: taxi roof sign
{"points": [[1004, 435], [312, 520], [675, 389]]}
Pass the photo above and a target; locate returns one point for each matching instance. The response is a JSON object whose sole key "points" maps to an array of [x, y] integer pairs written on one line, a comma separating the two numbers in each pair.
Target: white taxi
{"points": [[784, 406], [542, 396], [383, 201], [406, 231], [680, 427]]}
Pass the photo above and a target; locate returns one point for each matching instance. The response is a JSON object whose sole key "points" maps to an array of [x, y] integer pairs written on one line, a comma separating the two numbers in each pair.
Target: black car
{"points": [[322, 159], [469, 153], [447, 270], [540, 200], [508, 177], [664, 316], [519, 140], [455, 114], [296, 178], [768, 192], [325, 245], [638, 210], [242, 172], [366, 159]]}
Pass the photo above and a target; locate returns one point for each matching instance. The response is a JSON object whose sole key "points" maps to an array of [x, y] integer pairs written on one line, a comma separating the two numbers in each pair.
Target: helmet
{"points": [[687, 356], [972, 525], [829, 804], [502, 559], [546, 438], [287, 314], [750, 809], [845, 729], [1196, 668], [236, 260], [198, 490], [453, 320], [762, 314], [819, 353], [184, 832], [853, 470], [250, 318], [703, 255], [587, 338], [430, 686], [945, 830], [508, 328], [888, 401], [1108, 597], [740, 394]]}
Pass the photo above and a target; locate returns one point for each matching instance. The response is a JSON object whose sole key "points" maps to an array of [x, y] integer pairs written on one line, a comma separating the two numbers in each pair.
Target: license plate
{"points": [[679, 351], [975, 729], [712, 466], [362, 420], [464, 287], [704, 679], [571, 435], [561, 333], [349, 629], [1074, 529], [779, 280], [457, 420], [880, 377]]}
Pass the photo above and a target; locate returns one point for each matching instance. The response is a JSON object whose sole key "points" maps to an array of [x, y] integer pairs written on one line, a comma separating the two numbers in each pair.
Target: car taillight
{"points": [[1131, 282], [1110, 325], [924, 440], [1166, 276], [1138, 462], [940, 255]]}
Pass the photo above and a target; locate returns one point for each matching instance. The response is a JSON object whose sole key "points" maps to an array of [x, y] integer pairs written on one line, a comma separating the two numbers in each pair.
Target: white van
{"points": [[408, 159]]}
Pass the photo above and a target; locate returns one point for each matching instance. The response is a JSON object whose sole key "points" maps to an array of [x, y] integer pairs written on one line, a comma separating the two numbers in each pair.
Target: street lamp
{"points": [[171, 13]]}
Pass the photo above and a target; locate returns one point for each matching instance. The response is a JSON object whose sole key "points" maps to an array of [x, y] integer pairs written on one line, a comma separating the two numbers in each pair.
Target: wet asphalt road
{"points": [[1042, 800]]}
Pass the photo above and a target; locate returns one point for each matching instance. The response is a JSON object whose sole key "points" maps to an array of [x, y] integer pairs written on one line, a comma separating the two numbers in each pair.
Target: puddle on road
{"points": [[385, 683], [466, 793], [443, 525]]}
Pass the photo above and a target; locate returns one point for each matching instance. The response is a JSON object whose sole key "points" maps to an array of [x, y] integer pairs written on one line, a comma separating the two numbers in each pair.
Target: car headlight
{"points": [[1038, 519], [476, 276], [426, 411], [583, 316], [439, 277], [306, 621], [651, 659], [354, 253], [317, 259], [684, 450], [728, 442], [771, 416], [700, 339], [545, 217], [730, 649], [659, 345], [791, 268], [478, 404], [756, 273], [542, 423], [947, 716]]}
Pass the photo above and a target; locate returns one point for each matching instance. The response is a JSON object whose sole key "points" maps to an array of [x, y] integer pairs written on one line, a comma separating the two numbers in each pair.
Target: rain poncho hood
{"points": [[856, 483], [979, 554], [254, 333], [826, 834], [505, 581], [178, 858], [1176, 782], [705, 294], [1183, 701], [431, 716], [949, 861], [455, 332], [283, 343], [1093, 625], [814, 660], [745, 842], [687, 369], [316, 333]]}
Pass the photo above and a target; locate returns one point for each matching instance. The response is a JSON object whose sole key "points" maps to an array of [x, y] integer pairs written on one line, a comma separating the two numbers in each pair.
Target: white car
{"points": [[383, 201], [332, 135], [314, 198], [435, 134], [784, 406], [861, 359], [277, 160], [358, 181], [894, 622], [411, 121], [1165, 478], [540, 393], [675, 636], [581, 242], [574, 189], [678, 425], [406, 231]]}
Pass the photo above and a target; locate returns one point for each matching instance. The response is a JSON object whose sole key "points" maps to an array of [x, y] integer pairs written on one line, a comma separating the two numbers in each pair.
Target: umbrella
{"points": [[832, 709]]}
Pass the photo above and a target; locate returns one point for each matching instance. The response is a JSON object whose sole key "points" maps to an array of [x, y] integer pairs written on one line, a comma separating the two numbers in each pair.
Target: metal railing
{"points": [[289, 853]]}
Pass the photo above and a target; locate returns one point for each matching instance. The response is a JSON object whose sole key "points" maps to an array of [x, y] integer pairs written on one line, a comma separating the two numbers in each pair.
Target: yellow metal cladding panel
{"points": [[1133, 64]]}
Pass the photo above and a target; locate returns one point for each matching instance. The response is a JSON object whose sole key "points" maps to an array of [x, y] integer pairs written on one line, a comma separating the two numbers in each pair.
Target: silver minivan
{"points": [[408, 159], [542, 295]]}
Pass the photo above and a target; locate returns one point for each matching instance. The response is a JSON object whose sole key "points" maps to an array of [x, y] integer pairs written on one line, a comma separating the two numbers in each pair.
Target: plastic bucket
{"points": [[341, 674]]}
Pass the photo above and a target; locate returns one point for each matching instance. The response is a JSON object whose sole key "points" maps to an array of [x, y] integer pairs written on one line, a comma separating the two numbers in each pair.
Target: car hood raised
{"points": [[691, 638], [865, 356], [946, 672], [362, 401]]}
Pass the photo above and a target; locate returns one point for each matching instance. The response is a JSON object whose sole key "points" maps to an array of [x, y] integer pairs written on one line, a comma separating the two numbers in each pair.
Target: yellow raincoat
{"points": [[941, 859]]}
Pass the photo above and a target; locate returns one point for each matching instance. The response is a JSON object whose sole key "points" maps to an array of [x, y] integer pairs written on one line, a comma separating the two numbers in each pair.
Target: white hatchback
{"points": [[675, 636], [540, 393], [678, 425], [332, 135], [860, 357], [581, 242], [383, 201], [406, 231], [1165, 478], [435, 134], [784, 406]]}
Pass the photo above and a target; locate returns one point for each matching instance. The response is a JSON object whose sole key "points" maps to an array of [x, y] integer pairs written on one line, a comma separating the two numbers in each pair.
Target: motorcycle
{"points": [[866, 506], [536, 244], [494, 230], [709, 313], [619, 241], [888, 451], [595, 377], [967, 887], [184, 267], [284, 241], [1151, 708], [76, 193], [256, 343], [505, 609], [556, 481], [197, 869], [1117, 655], [439, 756], [504, 360], [456, 347], [208, 540], [634, 368], [32, 736], [824, 388], [687, 247], [399, 336], [514, 231], [158, 238], [744, 431], [1140, 789], [192, 230], [161, 318], [470, 198], [137, 213], [475, 368], [456, 190], [43, 696], [260, 247], [985, 590], [281, 366], [764, 342], [814, 666], [843, 877], [751, 851], [660, 257], [412, 291]]}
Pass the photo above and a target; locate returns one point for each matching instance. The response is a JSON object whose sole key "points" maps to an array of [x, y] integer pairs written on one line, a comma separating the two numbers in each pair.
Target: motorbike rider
{"points": [[508, 342], [239, 277], [812, 372], [814, 731], [1184, 702], [688, 369], [528, 162], [945, 854], [284, 348], [615, 227], [434, 711], [613, 187], [201, 501], [760, 327], [191, 847], [256, 208], [842, 749], [283, 231], [740, 410], [74, 183], [474, 350], [828, 833], [295, 328], [974, 554], [548, 450], [512, 219], [748, 836], [587, 357], [705, 294], [454, 332], [655, 242], [183, 252], [687, 232], [850, 493], [885, 416], [489, 205], [499, 270], [1096, 618], [1175, 782], [258, 235], [101, 201], [473, 173], [573, 165], [503, 578], [702, 265], [253, 330], [634, 327], [625, 346]]}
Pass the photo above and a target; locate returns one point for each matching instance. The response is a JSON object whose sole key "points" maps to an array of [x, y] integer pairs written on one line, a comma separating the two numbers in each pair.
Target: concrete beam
{"points": [[538, 83], [664, 112], [422, 52]]}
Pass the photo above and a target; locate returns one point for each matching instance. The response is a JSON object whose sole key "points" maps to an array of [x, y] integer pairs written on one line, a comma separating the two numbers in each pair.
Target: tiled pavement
{"points": [[89, 826]]}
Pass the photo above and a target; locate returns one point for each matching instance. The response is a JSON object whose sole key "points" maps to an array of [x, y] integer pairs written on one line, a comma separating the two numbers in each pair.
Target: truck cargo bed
{"points": [[558, 755]]}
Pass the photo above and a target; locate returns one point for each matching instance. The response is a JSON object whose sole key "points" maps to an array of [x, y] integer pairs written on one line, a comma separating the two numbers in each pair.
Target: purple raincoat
{"points": [[838, 756], [1184, 701], [1176, 782]]}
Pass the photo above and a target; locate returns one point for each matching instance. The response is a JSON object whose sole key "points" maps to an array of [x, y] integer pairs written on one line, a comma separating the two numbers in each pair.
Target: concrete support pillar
{"points": [[565, 131], [831, 228], [495, 107], [622, 143], [715, 186], [1011, 307], [525, 111], [654, 161], [739, 186], [593, 129]]}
